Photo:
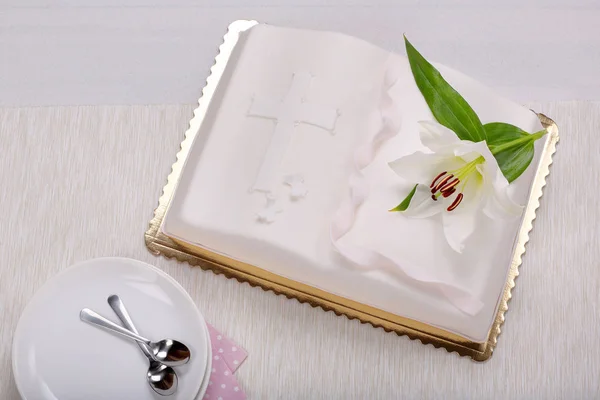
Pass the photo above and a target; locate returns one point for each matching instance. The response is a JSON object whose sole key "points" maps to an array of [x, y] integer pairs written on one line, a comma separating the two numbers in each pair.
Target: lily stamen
{"points": [[442, 183], [450, 185], [446, 187], [446, 183], [456, 202], [449, 193], [436, 178]]}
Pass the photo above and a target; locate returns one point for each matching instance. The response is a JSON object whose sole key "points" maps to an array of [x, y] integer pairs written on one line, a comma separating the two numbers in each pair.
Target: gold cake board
{"points": [[158, 243]]}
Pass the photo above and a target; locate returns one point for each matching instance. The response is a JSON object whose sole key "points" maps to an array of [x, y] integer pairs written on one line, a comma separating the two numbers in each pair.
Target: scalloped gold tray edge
{"points": [[160, 244]]}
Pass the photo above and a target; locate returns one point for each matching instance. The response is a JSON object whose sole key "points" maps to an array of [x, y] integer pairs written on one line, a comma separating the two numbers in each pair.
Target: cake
{"points": [[328, 161]]}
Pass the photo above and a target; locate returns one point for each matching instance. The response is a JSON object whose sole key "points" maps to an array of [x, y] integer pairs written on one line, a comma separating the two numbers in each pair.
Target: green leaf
{"points": [[406, 202], [512, 160], [499, 133], [448, 107]]}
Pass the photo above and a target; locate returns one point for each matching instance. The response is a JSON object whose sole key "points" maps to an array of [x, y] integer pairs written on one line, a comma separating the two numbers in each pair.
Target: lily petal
{"points": [[417, 167], [469, 151], [460, 223], [436, 136], [458, 226], [421, 205], [499, 205]]}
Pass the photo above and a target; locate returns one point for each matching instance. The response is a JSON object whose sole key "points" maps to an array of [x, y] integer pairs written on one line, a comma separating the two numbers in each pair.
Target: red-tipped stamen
{"points": [[456, 202], [442, 183], [436, 178], [449, 185], [433, 197], [449, 193]]}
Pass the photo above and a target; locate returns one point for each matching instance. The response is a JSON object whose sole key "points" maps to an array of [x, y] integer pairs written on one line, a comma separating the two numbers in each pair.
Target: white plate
{"points": [[206, 378], [58, 357]]}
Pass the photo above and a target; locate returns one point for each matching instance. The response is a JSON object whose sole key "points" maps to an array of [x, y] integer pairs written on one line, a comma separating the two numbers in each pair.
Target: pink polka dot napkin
{"points": [[227, 357]]}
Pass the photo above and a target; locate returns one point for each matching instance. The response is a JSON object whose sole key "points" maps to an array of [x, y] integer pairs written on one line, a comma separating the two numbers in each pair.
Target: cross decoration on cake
{"points": [[294, 109]]}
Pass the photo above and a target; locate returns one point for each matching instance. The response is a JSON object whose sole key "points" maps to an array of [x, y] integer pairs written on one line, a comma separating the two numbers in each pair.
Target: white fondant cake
{"points": [[301, 118]]}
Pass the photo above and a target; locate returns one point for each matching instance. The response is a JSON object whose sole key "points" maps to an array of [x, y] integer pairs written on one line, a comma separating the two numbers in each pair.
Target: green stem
{"points": [[524, 139]]}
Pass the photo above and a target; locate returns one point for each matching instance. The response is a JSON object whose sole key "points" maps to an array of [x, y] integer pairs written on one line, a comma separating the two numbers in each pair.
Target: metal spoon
{"points": [[169, 352], [162, 379]]}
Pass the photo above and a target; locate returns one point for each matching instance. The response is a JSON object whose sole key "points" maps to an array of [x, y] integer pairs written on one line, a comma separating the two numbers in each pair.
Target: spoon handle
{"points": [[118, 307], [93, 318]]}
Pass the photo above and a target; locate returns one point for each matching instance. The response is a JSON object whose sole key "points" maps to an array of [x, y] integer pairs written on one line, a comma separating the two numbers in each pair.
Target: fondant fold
{"points": [[386, 121]]}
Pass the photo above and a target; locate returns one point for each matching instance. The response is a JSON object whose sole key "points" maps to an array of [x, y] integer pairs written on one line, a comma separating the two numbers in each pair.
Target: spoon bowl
{"points": [[170, 352], [161, 378]]}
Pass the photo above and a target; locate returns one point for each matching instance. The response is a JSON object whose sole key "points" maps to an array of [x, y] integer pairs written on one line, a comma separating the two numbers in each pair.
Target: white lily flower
{"points": [[459, 179]]}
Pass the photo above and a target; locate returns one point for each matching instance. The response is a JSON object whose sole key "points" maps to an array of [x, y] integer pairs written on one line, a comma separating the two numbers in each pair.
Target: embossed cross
{"points": [[287, 114]]}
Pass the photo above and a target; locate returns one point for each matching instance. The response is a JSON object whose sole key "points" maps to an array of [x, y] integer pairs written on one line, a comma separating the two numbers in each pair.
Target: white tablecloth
{"points": [[82, 182]]}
